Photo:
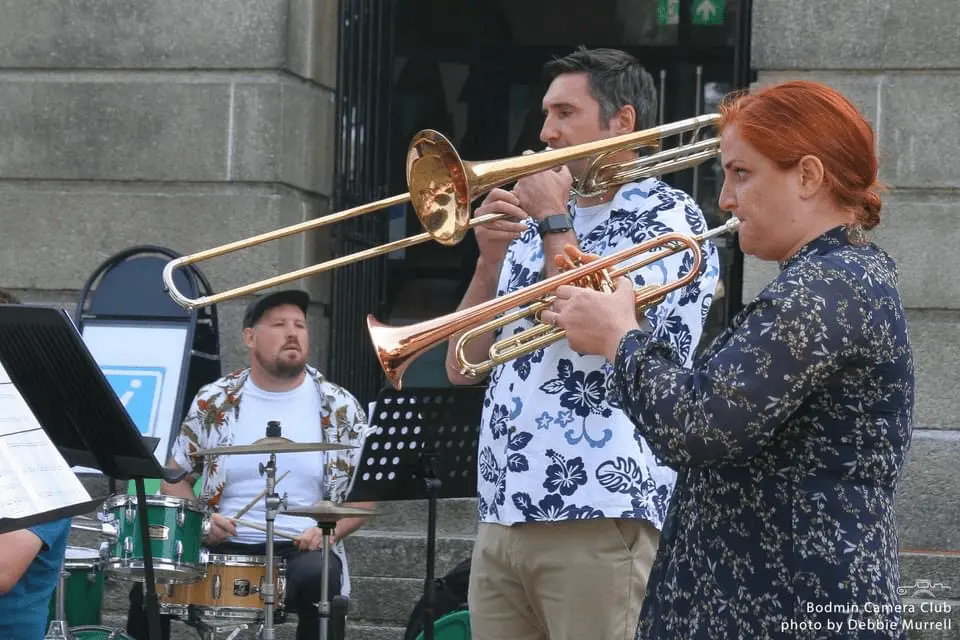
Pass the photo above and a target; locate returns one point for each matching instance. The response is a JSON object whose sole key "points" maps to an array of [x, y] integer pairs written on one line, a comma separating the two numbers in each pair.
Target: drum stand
{"points": [[273, 502], [326, 529], [58, 626]]}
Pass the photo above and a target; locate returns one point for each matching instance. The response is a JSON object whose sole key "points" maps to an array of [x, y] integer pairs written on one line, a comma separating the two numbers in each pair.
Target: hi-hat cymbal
{"points": [[273, 445], [326, 511]]}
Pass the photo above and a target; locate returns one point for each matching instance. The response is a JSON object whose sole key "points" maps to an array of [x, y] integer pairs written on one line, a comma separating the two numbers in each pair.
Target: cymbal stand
{"points": [[273, 503], [58, 626], [326, 530]]}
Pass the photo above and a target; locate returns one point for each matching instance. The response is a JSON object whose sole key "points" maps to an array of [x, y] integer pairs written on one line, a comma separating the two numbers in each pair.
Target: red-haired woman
{"points": [[789, 432]]}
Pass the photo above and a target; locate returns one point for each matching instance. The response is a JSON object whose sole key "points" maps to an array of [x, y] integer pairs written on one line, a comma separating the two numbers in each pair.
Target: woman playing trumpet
{"points": [[789, 432]]}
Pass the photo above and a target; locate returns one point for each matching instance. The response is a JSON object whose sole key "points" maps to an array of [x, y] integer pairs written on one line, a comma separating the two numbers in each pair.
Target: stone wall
{"points": [[185, 124], [899, 62]]}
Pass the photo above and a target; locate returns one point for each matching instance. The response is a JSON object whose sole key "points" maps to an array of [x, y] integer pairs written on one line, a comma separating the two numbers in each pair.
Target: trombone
{"points": [[442, 186], [398, 347]]}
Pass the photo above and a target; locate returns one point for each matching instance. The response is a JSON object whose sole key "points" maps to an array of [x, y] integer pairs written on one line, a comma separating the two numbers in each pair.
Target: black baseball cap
{"points": [[260, 306]]}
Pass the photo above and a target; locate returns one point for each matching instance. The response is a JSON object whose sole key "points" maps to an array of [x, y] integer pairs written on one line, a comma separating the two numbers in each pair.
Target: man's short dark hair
{"points": [[615, 78], [8, 298]]}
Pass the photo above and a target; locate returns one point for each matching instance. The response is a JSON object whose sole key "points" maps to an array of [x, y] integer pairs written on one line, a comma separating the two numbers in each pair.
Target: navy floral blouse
{"points": [[789, 434]]}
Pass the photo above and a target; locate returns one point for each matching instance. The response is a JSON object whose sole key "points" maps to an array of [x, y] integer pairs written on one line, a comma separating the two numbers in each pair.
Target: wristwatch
{"points": [[556, 223]]}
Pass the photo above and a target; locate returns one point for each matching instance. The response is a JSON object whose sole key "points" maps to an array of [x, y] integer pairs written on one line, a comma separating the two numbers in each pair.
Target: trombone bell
{"points": [[440, 187]]}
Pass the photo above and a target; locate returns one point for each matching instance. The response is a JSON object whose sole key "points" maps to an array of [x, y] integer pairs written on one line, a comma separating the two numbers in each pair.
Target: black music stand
{"points": [[423, 446], [48, 362]]}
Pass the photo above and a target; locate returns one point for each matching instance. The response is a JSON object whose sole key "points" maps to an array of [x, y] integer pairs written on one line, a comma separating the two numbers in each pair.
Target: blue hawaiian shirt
{"points": [[554, 444]]}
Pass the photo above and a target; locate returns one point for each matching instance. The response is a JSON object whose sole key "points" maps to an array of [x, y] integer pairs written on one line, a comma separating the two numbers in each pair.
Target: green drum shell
{"points": [[93, 632], [83, 592], [175, 547]]}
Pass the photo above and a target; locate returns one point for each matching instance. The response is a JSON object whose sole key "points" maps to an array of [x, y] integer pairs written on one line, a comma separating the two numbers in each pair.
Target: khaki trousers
{"points": [[576, 580]]}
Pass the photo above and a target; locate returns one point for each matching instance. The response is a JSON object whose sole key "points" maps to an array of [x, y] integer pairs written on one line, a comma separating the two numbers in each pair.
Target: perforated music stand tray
{"points": [[47, 360], [421, 445]]}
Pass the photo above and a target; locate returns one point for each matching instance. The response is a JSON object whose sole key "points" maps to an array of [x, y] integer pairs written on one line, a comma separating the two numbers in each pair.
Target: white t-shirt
{"points": [[298, 412]]}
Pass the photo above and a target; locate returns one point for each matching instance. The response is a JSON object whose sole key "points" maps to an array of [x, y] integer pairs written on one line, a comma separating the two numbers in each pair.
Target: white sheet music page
{"points": [[34, 477]]}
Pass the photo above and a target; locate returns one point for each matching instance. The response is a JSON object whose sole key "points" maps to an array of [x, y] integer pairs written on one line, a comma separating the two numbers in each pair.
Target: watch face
{"points": [[555, 224]]}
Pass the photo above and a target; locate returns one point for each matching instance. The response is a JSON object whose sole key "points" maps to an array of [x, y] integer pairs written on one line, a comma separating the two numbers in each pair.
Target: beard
{"points": [[280, 368]]}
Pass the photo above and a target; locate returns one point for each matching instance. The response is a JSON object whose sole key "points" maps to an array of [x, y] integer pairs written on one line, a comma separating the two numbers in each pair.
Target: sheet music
{"points": [[34, 477]]}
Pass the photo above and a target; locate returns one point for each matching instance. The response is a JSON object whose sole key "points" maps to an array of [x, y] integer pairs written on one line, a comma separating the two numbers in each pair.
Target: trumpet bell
{"points": [[440, 187]]}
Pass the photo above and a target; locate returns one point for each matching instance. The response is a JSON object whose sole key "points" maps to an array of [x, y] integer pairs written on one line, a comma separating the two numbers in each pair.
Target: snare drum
{"points": [[176, 527], [92, 632], [82, 587], [230, 591]]}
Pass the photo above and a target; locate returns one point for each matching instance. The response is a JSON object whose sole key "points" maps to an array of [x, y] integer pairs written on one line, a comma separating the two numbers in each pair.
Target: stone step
{"points": [[403, 555], [455, 516], [363, 631], [928, 499], [936, 568], [384, 600]]}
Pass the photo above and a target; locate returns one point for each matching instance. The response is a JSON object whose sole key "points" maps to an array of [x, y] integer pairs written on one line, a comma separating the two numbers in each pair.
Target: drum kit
{"points": [[213, 593]]}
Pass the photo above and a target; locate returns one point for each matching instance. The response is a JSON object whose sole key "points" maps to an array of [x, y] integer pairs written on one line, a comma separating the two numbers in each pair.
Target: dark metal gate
{"points": [[362, 135]]}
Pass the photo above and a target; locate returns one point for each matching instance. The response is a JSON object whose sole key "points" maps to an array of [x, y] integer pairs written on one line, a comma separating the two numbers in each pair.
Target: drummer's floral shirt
{"points": [[216, 407]]}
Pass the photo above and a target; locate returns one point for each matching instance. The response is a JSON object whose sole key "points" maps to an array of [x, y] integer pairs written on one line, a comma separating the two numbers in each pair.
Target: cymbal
{"points": [[326, 511], [274, 445]]}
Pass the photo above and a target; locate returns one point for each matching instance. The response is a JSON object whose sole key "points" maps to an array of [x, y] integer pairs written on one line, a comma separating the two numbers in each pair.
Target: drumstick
{"points": [[263, 528], [259, 496]]}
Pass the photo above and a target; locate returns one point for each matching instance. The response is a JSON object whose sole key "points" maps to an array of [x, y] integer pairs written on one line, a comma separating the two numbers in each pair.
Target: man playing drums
{"points": [[277, 386]]}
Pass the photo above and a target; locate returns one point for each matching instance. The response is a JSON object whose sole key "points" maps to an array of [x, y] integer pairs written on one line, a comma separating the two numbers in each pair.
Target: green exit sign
{"points": [[668, 12], [707, 12]]}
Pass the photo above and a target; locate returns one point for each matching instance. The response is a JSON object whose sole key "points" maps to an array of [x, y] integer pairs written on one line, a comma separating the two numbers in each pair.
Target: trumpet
{"points": [[442, 186], [397, 347]]}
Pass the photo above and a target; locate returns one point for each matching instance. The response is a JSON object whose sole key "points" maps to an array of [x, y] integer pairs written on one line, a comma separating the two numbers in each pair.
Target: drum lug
{"points": [[109, 531], [128, 545], [216, 587], [179, 551], [205, 526], [181, 515], [130, 512]]}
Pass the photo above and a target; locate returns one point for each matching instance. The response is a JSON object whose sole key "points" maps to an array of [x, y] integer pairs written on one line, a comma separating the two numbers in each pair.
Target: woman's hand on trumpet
{"points": [[594, 321]]}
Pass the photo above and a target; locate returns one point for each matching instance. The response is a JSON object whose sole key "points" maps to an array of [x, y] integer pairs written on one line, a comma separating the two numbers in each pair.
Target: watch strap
{"points": [[555, 223]]}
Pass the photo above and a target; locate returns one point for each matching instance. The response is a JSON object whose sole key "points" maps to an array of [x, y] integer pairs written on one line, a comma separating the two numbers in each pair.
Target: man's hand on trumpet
{"points": [[595, 322]]}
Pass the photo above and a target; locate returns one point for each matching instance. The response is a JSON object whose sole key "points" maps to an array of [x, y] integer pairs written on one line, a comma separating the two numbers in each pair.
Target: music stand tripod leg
{"points": [[432, 485], [151, 602]]}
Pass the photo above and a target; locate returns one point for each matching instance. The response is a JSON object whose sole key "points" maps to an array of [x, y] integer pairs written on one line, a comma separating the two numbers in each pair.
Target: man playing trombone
{"points": [[570, 500]]}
